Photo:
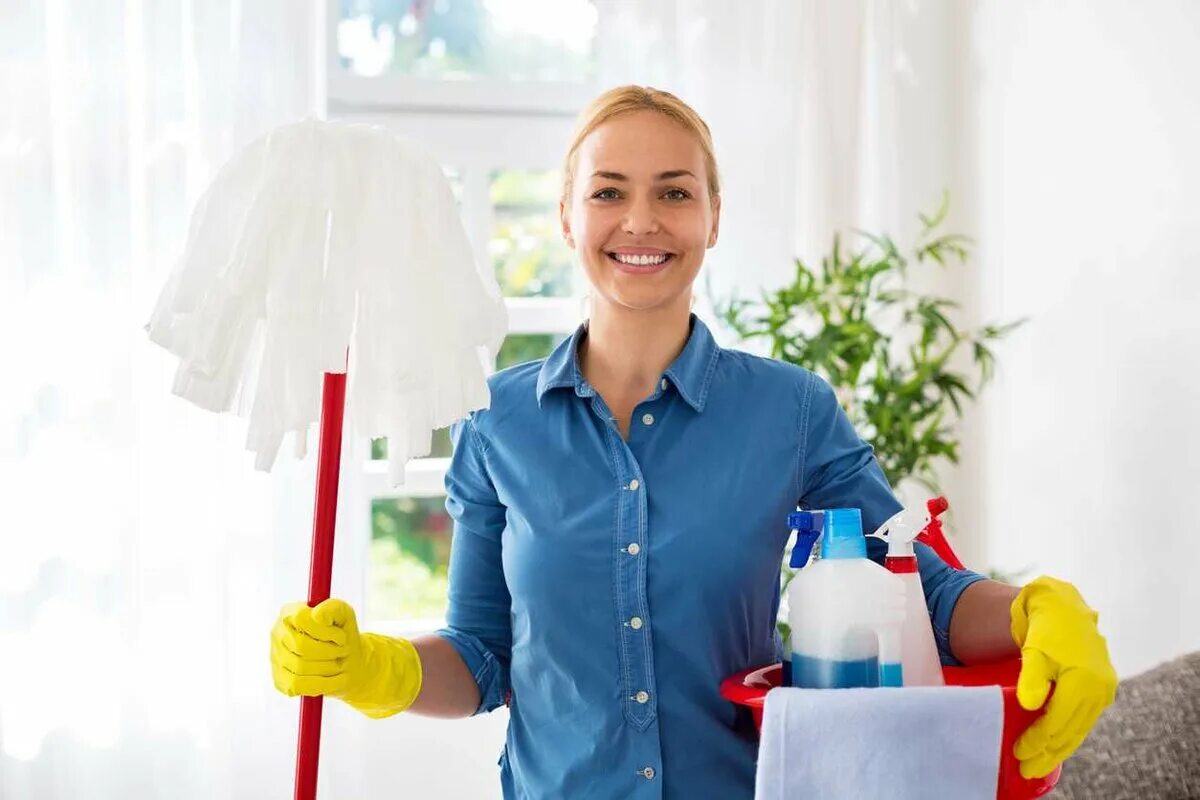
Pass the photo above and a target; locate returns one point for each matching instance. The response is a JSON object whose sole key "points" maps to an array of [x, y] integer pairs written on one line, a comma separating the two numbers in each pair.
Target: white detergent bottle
{"points": [[845, 611], [922, 666]]}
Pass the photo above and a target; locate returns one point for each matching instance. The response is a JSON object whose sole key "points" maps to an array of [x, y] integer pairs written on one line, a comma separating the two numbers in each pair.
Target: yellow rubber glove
{"points": [[319, 651], [1060, 644]]}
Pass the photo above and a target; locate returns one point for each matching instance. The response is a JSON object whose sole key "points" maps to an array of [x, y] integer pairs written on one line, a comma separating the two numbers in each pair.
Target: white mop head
{"points": [[319, 237]]}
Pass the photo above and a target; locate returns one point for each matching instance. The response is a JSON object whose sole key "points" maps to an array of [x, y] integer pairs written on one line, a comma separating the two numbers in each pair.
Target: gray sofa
{"points": [[1147, 744]]}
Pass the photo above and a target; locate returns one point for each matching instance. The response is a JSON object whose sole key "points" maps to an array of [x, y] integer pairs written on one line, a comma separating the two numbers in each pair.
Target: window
{"points": [[410, 552], [527, 56], [516, 40], [530, 256], [492, 88]]}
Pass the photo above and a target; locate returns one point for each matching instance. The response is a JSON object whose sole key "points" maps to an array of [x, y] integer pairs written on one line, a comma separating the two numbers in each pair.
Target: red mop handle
{"points": [[333, 401]]}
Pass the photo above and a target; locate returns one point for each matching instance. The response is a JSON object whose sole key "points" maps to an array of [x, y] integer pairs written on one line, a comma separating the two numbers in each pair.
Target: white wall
{"points": [[1085, 462]]}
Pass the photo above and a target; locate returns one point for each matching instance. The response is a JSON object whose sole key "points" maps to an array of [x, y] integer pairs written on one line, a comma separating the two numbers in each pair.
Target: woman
{"points": [[619, 520]]}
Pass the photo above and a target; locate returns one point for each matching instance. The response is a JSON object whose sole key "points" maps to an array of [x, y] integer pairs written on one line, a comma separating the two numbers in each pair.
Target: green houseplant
{"points": [[900, 365], [888, 351]]}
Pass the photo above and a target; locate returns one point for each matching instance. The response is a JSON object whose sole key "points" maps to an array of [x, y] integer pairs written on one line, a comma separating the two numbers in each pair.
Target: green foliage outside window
{"points": [[519, 348], [527, 248], [410, 554]]}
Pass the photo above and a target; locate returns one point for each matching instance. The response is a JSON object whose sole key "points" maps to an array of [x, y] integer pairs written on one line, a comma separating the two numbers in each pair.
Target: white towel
{"points": [[919, 742]]}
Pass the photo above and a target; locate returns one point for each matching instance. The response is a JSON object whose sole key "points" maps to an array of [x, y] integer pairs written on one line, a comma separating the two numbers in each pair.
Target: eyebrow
{"points": [[662, 176]]}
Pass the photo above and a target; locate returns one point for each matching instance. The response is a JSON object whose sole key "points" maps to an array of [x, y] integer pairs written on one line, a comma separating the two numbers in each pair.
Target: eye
{"points": [[606, 194], [676, 194]]}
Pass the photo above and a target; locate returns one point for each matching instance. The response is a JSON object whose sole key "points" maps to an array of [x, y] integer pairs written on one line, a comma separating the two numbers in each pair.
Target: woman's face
{"points": [[640, 215]]}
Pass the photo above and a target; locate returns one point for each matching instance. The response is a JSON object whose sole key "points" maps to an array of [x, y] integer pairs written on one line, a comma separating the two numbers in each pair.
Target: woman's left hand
{"points": [[1060, 644]]}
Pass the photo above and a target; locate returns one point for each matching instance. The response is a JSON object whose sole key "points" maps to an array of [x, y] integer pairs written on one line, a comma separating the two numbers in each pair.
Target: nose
{"points": [[640, 218]]}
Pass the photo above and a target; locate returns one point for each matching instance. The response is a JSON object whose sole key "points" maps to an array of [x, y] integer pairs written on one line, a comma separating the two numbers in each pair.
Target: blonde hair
{"points": [[626, 99]]}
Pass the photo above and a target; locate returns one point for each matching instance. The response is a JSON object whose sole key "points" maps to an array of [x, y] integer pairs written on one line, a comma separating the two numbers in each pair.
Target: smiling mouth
{"points": [[640, 263]]}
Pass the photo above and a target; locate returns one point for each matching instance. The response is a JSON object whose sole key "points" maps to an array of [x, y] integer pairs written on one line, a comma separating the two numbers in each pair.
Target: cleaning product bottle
{"points": [[922, 666], [845, 611]]}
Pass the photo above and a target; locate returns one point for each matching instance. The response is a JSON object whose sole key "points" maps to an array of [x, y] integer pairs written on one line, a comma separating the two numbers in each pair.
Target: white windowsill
{"points": [[406, 628], [423, 477], [544, 314]]}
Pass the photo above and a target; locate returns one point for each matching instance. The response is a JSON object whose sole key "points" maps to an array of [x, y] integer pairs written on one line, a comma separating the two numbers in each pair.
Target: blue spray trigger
{"points": [[807, 525]]}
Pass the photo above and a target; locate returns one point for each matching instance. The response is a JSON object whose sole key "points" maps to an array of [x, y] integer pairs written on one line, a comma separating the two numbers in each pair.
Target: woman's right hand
{"points": [[315, 651], [319, 651]]}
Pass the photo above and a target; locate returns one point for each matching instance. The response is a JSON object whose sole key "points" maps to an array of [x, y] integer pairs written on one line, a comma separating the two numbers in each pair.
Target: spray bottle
{"points": [[846, 612], [922, 666]]}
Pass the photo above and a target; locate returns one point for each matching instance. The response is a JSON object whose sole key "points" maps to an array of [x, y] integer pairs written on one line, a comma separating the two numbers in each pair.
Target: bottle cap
{"points": [[842, 535]]}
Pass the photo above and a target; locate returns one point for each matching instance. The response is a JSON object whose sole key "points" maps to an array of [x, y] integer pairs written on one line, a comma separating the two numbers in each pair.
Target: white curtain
{"points": [[140, 561]]}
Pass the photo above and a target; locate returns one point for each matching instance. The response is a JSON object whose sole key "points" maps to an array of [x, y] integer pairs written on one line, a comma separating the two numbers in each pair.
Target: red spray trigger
{"points": [[933, 535]]}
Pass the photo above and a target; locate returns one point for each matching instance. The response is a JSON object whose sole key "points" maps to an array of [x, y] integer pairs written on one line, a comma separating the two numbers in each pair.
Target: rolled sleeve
{"points": [[839, 470], [478, 621], [490, 675]]}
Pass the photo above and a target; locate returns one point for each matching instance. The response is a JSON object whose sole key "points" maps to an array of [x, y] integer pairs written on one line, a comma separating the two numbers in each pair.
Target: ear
{"points": [[716, 221], [564, 218]]}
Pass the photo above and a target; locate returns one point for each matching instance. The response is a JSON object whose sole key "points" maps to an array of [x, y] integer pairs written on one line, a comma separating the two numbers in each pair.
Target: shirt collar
{"points": [[691, 372]]}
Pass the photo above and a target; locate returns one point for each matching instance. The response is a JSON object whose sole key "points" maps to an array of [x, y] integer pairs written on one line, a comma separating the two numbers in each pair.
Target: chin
{"points": [[622, 298]]}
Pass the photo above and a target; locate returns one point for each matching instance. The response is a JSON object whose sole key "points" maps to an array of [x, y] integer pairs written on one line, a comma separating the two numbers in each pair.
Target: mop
{"points": [[327, 273]]}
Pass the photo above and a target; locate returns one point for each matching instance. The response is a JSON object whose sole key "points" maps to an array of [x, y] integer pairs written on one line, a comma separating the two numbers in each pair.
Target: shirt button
{"points": [[636, 623], [664, 384], [634, 549], [642, 697], [647, 419], [633, 485], [648, 773]]}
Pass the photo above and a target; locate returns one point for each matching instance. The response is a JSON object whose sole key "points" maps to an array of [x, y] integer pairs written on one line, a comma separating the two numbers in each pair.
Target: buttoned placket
{"points": [[630, 537], [629, 577]]}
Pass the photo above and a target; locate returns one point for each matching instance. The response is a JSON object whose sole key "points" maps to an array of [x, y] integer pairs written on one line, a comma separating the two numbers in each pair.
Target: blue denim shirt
{"points": [[603, 588]]}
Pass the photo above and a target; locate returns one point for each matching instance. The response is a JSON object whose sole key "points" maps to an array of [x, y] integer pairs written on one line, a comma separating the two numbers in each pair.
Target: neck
{"points": [[626, 351]]}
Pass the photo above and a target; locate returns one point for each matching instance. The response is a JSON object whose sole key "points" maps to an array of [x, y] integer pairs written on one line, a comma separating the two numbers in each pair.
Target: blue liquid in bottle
{"points": [[822, 673]]}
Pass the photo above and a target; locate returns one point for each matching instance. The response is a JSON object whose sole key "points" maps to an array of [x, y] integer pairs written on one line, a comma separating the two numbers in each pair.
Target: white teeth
{"points": [[641, 261]]}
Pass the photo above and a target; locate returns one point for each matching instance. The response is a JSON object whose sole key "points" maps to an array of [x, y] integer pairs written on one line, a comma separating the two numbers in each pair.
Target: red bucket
{"points": [[750, 689]]}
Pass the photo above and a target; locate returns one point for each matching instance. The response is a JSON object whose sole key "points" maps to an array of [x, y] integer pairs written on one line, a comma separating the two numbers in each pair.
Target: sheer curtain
{"points": [[140, 559]]}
